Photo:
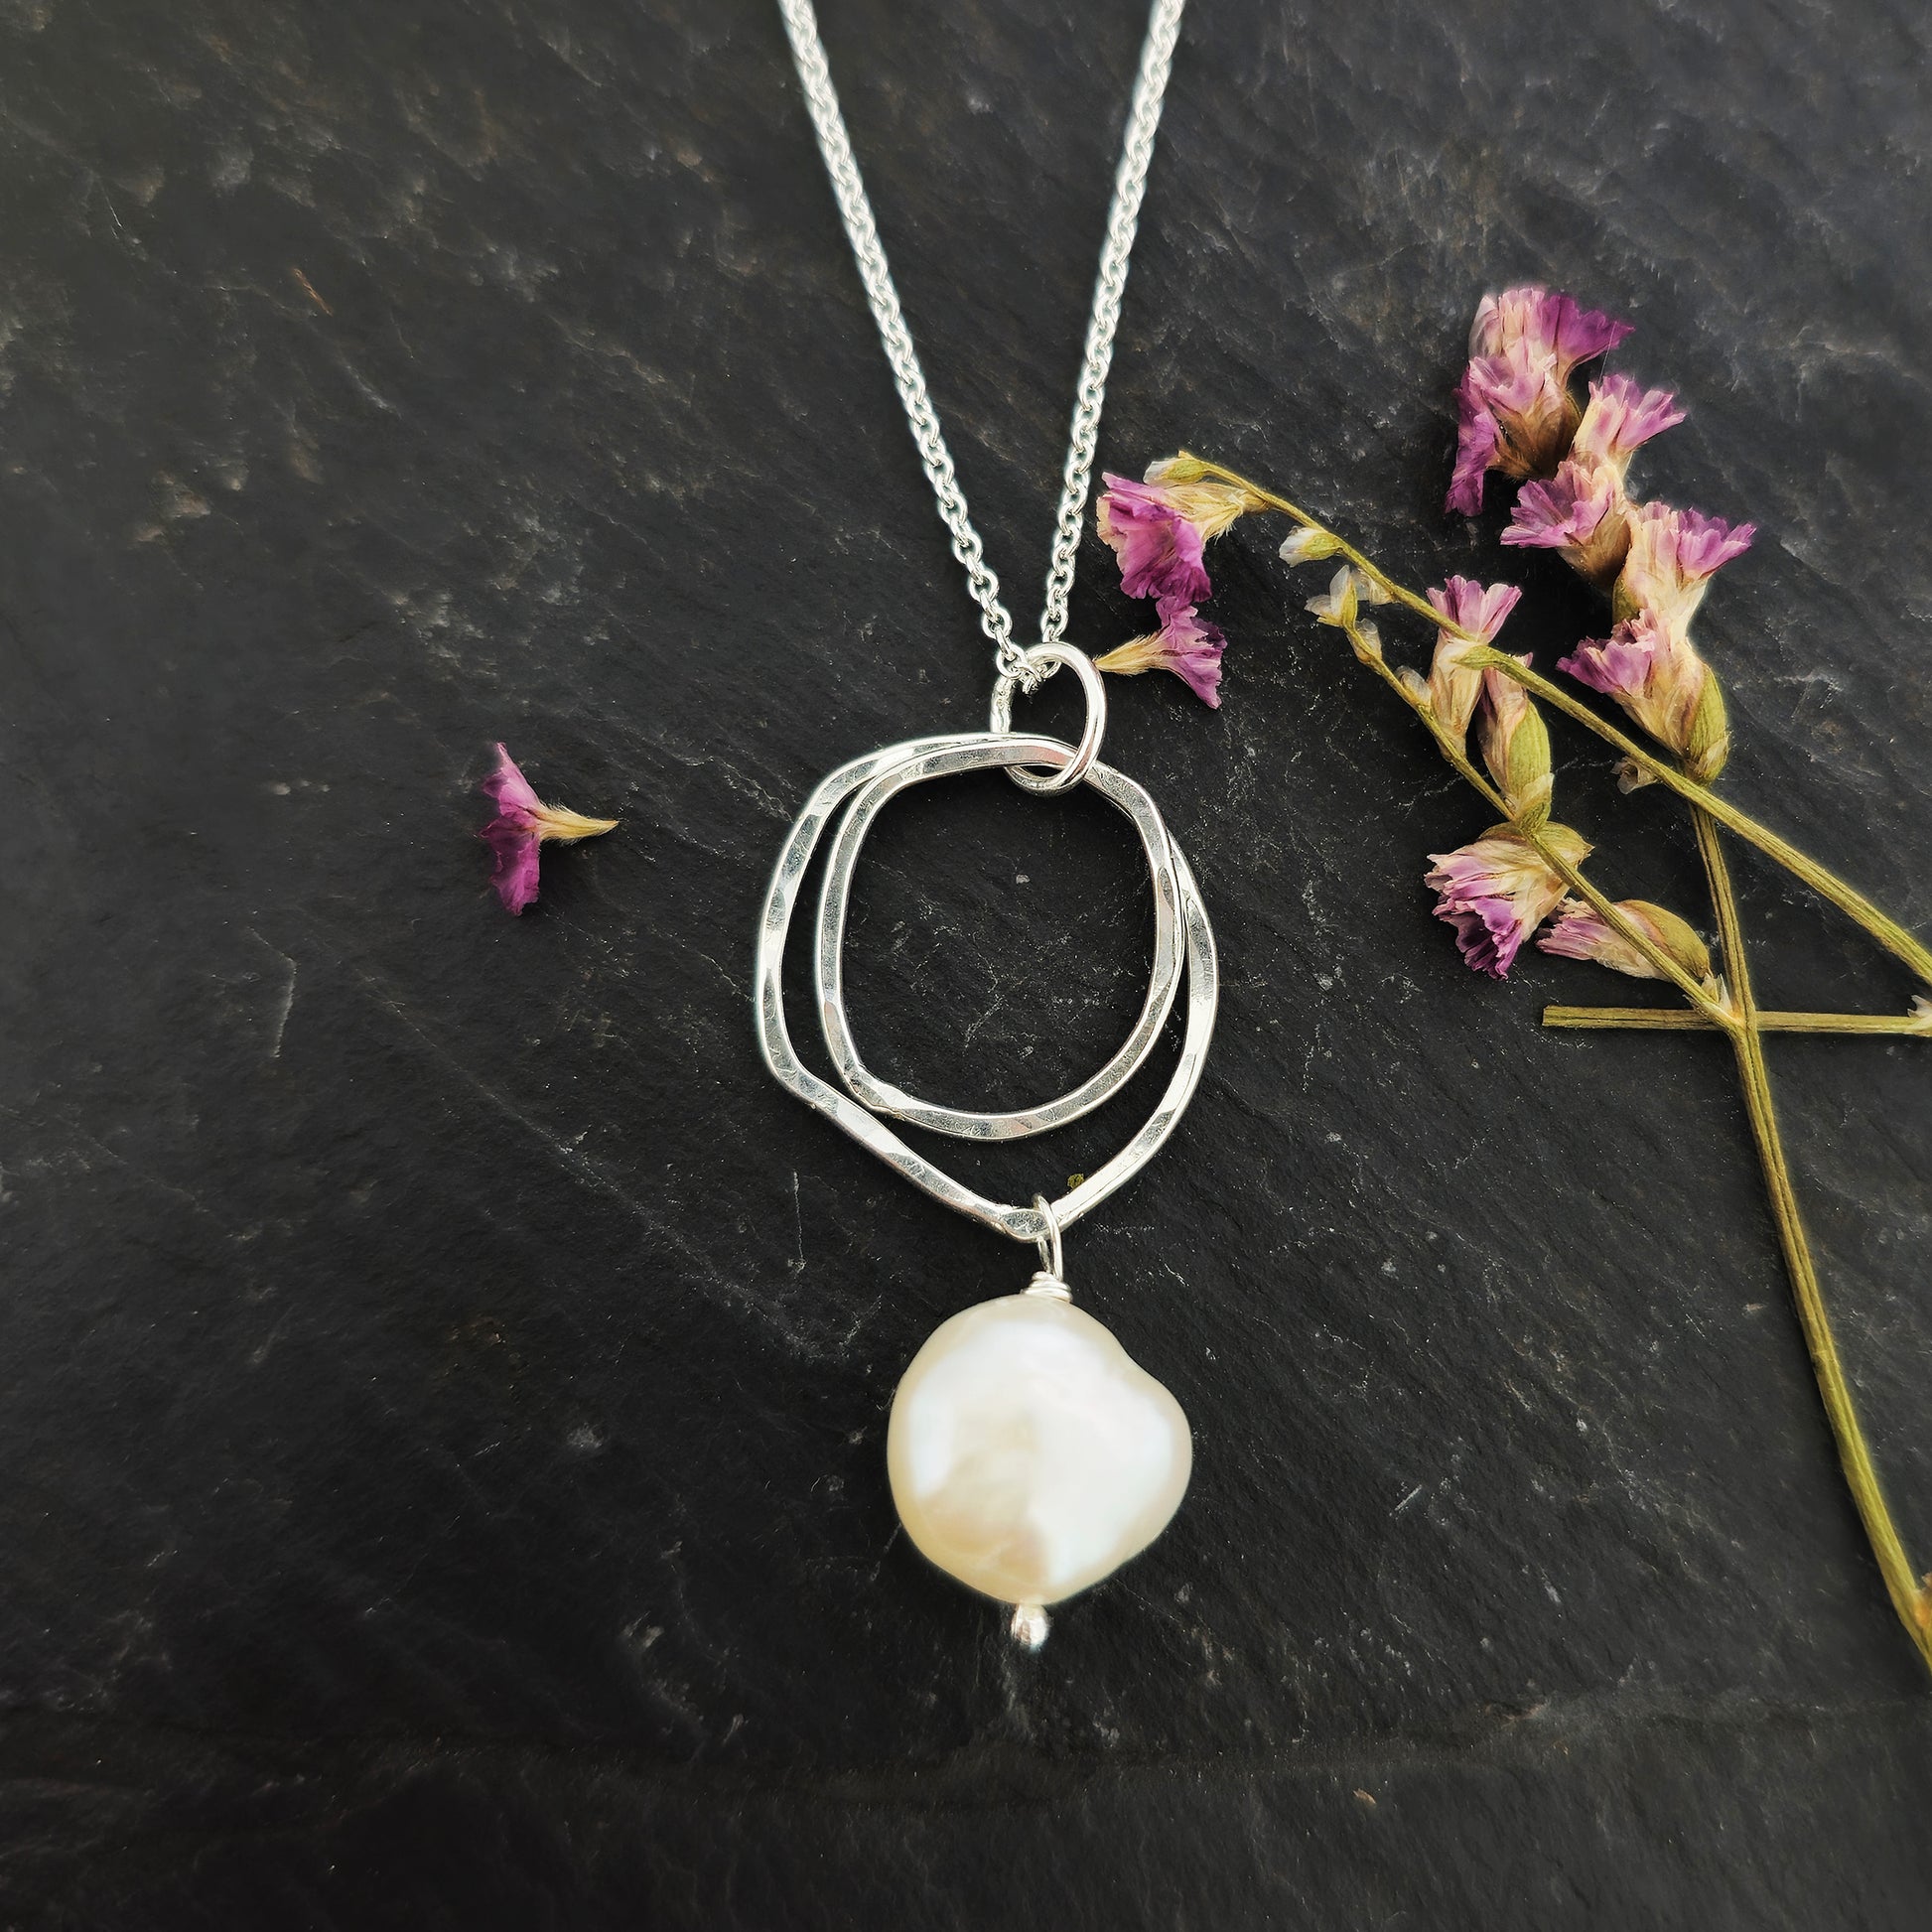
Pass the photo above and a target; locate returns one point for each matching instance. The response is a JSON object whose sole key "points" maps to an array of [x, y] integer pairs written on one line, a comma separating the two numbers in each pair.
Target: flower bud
{"points": [[1516, 748], [1176, 469], [1708, 746], [1581, 933], [1306, 546], [1339, 606]]}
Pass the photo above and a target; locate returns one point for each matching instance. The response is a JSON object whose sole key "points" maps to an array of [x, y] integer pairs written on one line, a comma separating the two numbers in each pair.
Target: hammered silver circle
{"points": [[775, 1037], [967, 1124]]}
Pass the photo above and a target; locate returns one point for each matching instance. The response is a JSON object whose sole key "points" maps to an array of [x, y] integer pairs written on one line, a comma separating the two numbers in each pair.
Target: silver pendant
{"points": [[1028, 1454]]}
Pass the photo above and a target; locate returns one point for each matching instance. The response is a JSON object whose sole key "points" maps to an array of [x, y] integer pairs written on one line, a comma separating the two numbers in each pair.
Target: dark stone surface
{"points": [[444, 1378]]}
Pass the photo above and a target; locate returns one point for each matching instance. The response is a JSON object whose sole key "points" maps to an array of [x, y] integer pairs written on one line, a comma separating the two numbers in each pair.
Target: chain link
{"points": [[1110, 286]]}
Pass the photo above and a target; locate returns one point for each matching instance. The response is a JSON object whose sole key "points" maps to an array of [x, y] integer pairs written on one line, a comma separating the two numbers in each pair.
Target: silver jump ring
{"points": [[1040, 661], [1048, 1244]]}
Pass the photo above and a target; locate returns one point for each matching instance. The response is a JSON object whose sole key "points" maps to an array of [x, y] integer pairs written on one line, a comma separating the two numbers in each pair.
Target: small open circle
{"points": [[1095, 729]]}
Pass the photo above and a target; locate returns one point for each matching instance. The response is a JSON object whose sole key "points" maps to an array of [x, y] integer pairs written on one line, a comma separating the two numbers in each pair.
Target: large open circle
{"points": [[865, 1127]]}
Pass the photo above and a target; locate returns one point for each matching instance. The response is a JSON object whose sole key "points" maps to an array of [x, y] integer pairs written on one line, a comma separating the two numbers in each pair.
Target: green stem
{"points": [[1826, 883], [1909, 1598], [1373, 571], [1676, 1019]]}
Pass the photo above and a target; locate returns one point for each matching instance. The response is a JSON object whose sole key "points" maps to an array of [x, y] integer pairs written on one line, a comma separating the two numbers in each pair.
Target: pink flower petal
{"points": [[1622, 417], [1623, 664], [1576, 335], [1470, 605], [1560, 514], [1477, 438], [1159, 550], [1673, 554], [1706, 543], [514, 873], [509, 787]]}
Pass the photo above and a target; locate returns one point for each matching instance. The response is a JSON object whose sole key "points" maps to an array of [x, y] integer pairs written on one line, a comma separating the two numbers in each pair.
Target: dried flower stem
{"points": [[1676, 1019], [1886, 930], [1731, 1010], [1909, 1596]]}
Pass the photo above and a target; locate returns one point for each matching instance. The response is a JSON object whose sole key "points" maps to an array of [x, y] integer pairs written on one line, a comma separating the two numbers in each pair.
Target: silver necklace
{"points": [[1028, 1454]]}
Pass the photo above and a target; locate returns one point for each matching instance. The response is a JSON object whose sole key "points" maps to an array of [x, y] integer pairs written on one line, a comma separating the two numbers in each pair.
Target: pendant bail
{"points": [[1047, 1283], [1041, 661]]}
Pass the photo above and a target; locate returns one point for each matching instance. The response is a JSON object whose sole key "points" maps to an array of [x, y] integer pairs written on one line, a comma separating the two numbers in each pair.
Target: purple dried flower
{"points": [[1673, 554], [1583, 514], [1160, 551], [1498, 891], [1159, 528], [1454, 688], [1516, 413], [522, 822], [1581, 933], [1621, 417], [1475, 606], [1184, 644], [1660, 680]]}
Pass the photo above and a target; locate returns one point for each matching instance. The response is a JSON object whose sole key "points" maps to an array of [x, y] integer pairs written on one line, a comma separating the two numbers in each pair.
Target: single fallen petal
{"points": [[1185, 644], [521, 825]]}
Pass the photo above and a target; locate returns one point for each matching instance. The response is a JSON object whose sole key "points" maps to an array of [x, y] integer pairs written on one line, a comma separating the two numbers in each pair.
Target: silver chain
{"points": [[1110, 285]]}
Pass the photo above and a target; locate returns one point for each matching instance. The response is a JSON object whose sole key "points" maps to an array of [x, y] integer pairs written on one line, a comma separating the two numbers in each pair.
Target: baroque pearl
{"points": [[1029, 1454]]}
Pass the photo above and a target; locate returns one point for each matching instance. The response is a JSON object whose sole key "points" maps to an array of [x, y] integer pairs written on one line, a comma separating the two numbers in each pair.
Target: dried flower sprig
{"points": [[1519, 416], [521, 825], [1159, 532], [1184, 644]]}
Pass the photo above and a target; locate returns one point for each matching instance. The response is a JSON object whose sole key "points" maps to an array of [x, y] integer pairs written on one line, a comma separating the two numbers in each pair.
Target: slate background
{"points": [[445, 1379]]}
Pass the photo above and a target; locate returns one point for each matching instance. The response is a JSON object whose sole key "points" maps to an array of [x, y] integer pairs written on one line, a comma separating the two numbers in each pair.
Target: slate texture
{"points": [[443, 1379]]}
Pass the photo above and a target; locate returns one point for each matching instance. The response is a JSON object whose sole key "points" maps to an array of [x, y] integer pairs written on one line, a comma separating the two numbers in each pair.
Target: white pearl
{"points": [[1029, 1454]]}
